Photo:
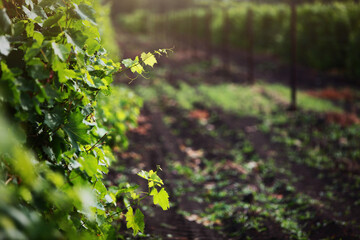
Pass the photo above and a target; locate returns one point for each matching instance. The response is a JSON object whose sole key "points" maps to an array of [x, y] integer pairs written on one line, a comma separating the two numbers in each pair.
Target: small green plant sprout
{"points": [[160, 197], [146, 59]]}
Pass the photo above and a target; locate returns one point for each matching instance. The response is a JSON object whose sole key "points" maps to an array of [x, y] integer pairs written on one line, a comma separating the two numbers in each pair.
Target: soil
{"points": [[159, 143], [155, 142]]}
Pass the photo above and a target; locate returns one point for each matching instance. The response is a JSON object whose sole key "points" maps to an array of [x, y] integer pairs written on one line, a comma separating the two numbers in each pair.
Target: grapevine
{"points": [[53, 152]]}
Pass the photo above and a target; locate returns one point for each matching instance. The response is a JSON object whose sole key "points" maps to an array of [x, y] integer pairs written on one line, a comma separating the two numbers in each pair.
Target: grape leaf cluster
{"points": [[53, 158]]}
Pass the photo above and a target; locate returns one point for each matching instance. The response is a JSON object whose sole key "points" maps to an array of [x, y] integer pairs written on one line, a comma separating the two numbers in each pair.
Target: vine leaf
{"points": [[54, 118], [127, 189], [136, 222], [143, 174], [31, 53], [85, 12], [127, 62], [77, 130], [62, 71], [38, 37], [5, 22], [52, 4], [154, 179], [39, 11], [161, 198], [60, 50], [100, 188], [52, 20], [29, 14], [76, 38], [4, 46], [134, 65], [37, 69], [148, 59], [89, 164]]}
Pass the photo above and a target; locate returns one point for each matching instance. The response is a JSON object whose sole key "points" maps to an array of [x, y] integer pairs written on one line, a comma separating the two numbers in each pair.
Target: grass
{"points": [[304, 101], [242, 100]]}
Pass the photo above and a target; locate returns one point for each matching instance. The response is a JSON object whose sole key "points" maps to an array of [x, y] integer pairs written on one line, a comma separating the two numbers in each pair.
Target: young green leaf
{"points": [[126, 190], [148, 59], [127, 62], [136, 222], [154, 177], [161, 198], [136, 67], [143, 174], [38, 37]]}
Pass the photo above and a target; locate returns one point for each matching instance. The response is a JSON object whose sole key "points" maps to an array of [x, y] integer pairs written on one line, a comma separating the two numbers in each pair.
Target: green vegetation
{"points": [[119, 111], [328, 35], [54, 125], [236, 160], [256, 100], [322, 147], [252, 177], [108, 35], [282, 94], [237, 189]]}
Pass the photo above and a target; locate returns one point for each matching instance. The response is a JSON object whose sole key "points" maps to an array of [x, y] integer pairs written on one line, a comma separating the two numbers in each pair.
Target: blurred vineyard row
{"points": [[328, 35]]}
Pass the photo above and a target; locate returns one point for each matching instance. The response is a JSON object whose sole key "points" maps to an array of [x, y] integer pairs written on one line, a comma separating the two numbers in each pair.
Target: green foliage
{"points": [[119, 112], [257, 100], [324, 146], [136, 222], [108, 35], [226, 96], [53, 159], [304, 100], [327, 34], [135, 22], [159, 197], [148, 59], [253, 102]]}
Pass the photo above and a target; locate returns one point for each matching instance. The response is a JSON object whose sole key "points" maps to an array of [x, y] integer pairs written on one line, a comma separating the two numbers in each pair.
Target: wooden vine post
{"points": [[225, 43], [189, 30], [209, 35], [293, 80], [194, 33], [250, 47]]}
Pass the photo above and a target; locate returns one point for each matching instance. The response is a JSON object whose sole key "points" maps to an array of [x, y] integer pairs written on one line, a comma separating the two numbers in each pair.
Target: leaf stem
{"points": [[97, 142], [9, 180]]}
